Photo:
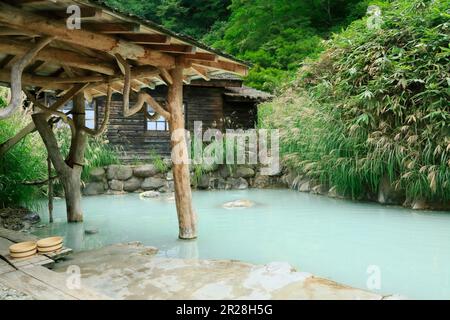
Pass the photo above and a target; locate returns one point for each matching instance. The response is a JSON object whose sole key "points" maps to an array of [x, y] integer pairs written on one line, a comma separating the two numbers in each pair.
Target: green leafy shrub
{"points": [[374, 105], [25, 162]]}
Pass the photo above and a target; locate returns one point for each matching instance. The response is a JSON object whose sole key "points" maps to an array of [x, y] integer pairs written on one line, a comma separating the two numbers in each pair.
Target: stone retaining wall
{"points": [[118, 179], [386, 195]]}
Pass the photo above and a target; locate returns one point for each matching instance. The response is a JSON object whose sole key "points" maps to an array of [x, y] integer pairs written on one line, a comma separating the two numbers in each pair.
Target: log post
{"points": [[75, 161], [50, 190], [183, 195], [69, 170]]}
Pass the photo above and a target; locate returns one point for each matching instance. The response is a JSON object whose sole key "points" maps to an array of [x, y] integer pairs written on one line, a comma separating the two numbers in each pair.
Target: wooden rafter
{"points": [[174, 48], [29, 21], [58, 56], [200, 56], [8, 144], [222, 65], [146, 38], [165, 75], [16, 78], [201, 71], [112, 27]]}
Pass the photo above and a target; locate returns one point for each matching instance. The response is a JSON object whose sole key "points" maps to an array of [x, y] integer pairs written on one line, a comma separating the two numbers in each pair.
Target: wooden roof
{"points": [[246, 93], [89, 54]]}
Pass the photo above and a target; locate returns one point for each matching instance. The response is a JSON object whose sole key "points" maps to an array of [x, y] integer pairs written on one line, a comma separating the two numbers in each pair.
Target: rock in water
{"points": [[32, 217], [242, 203], [94, 188], [90, 231], [150, 194]]}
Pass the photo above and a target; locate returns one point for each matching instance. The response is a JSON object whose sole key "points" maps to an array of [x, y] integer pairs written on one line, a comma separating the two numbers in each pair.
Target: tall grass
{"points": [[374, 106], [158, 161], [98, 153]]}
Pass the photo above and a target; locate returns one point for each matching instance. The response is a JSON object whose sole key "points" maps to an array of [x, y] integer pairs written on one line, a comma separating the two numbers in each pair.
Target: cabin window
{"points": [[160, 124], [89, 113], [90, 117]]}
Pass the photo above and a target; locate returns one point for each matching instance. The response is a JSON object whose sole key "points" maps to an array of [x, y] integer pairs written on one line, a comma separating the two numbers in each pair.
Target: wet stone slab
{"points": [[133, 271]]}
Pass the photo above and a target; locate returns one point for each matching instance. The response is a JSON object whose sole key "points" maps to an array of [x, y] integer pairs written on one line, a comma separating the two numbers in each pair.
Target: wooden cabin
{"points": [[223, 102]]}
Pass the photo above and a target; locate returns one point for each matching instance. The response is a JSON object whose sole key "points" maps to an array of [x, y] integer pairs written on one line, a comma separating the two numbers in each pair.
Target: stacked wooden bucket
{"points": [[30, 248]]}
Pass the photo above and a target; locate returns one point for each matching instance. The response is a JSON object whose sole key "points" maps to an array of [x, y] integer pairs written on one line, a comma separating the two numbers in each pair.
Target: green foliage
{"points": [[159, 162], [3, 94], [25, 162], [374, 105], [192, 17], [277, 35]]}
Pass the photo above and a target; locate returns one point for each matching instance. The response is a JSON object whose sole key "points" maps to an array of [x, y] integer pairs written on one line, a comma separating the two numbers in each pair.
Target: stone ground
{"points": [[7, 293], [133, 271], [18, 218]]}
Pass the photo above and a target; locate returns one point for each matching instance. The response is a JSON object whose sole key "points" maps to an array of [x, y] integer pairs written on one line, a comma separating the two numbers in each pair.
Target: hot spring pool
{"points": [[339, 240]]}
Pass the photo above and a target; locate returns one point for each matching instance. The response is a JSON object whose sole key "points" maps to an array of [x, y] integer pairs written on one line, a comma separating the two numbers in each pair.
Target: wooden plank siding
{"points": [[204, 104]]}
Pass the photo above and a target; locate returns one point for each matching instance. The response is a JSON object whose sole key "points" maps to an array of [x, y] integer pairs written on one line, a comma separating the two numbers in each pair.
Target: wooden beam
{"points": [[113, 28], [58, 56], [187, 80], [6, 61], [116, 82], [103, 56], [34, 81], [174, 48], [144, 38], [35, 66], [203, 57], [201, 71], [16, 77], [56, 83], [86, 13], [165, 75], [5, 31], [11, 62], [8, 144], [27, 2], [222, 65], [17, 18]]}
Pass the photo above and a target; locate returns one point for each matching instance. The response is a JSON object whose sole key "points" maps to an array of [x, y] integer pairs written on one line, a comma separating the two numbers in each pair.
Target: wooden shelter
{"points": [[43, 50], [221, 103]]}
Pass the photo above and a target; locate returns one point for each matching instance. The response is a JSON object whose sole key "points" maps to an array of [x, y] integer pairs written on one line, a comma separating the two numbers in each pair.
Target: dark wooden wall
{"points": [[206, 104], [240, 114]]}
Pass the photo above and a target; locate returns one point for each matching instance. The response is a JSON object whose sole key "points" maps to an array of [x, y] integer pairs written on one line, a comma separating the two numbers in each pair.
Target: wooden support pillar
{"points": [[50, 190], [75, 161], [187, 219], [69, 170]]}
